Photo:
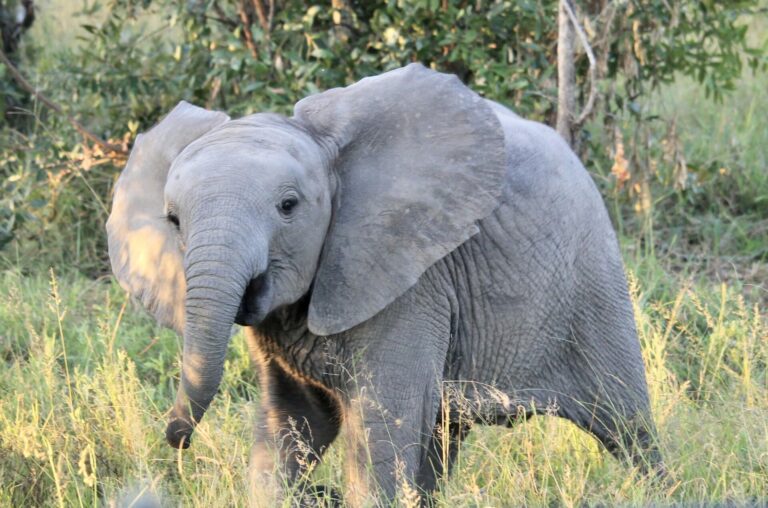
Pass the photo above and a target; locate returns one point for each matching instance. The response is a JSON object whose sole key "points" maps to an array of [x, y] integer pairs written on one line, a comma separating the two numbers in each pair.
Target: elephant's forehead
{"points": [[255, 133], [236, 161]]}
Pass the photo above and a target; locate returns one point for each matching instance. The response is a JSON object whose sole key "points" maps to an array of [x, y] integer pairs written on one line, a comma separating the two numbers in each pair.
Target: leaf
{"points": [[620, 168], [321, 53]]}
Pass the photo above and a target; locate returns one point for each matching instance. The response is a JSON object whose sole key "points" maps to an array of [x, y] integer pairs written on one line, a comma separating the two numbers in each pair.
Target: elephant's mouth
{"points": [[255, 303]]}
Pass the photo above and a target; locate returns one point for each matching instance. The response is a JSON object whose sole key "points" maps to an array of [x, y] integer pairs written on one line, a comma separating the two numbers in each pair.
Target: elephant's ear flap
{"points": [[421, 158], [144, 248]]}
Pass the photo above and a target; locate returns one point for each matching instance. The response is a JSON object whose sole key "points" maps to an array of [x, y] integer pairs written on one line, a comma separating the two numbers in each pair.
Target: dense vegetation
{"points": [[677, 144]]}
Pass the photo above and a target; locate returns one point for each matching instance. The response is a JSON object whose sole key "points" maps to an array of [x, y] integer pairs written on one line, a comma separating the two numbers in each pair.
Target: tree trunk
{"points": [[16, 17], [565, 75]]}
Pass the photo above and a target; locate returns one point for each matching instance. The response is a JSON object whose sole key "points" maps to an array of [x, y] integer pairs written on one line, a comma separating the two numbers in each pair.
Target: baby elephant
{"points": [[406, 256]]}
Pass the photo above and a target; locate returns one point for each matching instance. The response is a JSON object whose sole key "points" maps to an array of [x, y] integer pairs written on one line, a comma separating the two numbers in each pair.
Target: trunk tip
{"points": [[179, 433]]}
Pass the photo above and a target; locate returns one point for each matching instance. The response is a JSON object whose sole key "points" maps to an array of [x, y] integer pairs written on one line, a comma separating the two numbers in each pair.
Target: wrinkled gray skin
{"points": [[439, 248]]}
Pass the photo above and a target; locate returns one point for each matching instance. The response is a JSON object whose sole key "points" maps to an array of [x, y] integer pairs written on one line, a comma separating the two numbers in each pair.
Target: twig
{"points": [[592, 65], [215, 89], [271, 14], [227, 22], [245, 19], [264, 20], [223, 18], [27, 86]]}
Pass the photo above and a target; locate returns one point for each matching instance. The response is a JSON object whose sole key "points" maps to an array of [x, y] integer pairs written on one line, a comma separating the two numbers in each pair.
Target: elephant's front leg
{"points": [[393, 405], [296, 425], [385, 448]]}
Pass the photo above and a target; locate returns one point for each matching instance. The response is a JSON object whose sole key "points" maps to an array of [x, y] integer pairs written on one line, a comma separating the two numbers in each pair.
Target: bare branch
{"points": [[222, 16], [565, 75], [224, 21], [264, 21], [27, 86], [245, 19], [271, 14], [587, 111]]}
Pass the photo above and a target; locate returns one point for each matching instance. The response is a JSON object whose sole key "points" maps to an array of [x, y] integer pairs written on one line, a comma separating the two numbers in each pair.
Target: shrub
{"points": [[136, 58]]}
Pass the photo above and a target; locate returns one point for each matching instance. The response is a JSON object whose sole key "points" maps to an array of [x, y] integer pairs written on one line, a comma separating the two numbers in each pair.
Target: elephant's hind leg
{"points": [[610, 394], [441, 453], [627, 433]]}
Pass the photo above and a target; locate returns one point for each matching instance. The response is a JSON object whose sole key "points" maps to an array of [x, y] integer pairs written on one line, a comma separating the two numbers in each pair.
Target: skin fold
{"points": [[408, 259]]}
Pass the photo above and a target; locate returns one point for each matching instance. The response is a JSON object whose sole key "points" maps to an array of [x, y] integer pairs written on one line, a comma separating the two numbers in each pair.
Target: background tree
{"points": [[137, 58]]}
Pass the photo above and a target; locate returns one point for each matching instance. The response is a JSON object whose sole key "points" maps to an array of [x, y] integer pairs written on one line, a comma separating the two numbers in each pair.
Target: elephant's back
{"points": [[543, 170]]}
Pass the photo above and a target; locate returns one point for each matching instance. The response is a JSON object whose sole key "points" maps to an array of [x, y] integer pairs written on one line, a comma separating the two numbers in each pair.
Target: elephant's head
{"points": [[217, 221]]}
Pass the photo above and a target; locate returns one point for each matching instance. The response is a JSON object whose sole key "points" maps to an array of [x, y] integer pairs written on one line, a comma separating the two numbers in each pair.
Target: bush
{"points": [[136, 59]]}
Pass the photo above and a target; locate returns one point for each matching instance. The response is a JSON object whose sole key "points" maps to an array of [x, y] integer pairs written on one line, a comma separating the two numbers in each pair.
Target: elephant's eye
{"points": [[288, 204], [173, 219]]}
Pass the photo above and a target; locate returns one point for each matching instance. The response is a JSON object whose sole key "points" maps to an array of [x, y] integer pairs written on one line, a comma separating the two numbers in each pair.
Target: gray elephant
{"points": [[407, 258]]}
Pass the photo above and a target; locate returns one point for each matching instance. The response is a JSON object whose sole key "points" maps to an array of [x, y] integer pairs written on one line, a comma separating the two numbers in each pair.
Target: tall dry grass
{"points": [[87, 380]]}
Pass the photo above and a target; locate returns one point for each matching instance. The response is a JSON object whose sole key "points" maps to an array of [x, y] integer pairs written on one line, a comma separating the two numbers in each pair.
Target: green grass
{"points": [[88, 377]]}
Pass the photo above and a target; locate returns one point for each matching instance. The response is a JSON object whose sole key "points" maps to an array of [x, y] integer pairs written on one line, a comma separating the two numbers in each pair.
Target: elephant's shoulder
{"points": [[540, 162]]}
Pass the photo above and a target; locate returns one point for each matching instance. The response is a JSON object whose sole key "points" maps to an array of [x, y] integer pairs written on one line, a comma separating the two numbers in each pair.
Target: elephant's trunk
{"points": [[218, 267]]}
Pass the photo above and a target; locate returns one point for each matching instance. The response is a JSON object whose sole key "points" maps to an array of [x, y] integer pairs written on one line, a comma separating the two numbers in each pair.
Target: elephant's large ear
{"points": [[421, 159], [143, 246]]}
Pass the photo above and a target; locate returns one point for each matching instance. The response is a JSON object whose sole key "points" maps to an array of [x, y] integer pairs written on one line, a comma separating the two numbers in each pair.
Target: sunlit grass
{"points": [[87, 378]]}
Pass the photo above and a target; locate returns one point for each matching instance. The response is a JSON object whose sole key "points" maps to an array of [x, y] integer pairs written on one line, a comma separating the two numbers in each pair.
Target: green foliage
{"points": [[209, 60], [52, 205], [505, 50], [702, 39], [133, 60]]}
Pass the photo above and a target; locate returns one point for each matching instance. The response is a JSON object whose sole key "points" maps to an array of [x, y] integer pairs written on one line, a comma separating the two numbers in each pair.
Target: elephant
{"points": [[407, 259]]}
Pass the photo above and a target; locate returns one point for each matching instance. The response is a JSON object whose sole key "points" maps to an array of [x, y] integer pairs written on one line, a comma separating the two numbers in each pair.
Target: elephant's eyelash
{"points": [[173, 219]]}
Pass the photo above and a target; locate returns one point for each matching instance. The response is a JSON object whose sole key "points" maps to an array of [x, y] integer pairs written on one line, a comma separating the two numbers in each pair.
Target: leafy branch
{"points": [[120, 150]]}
